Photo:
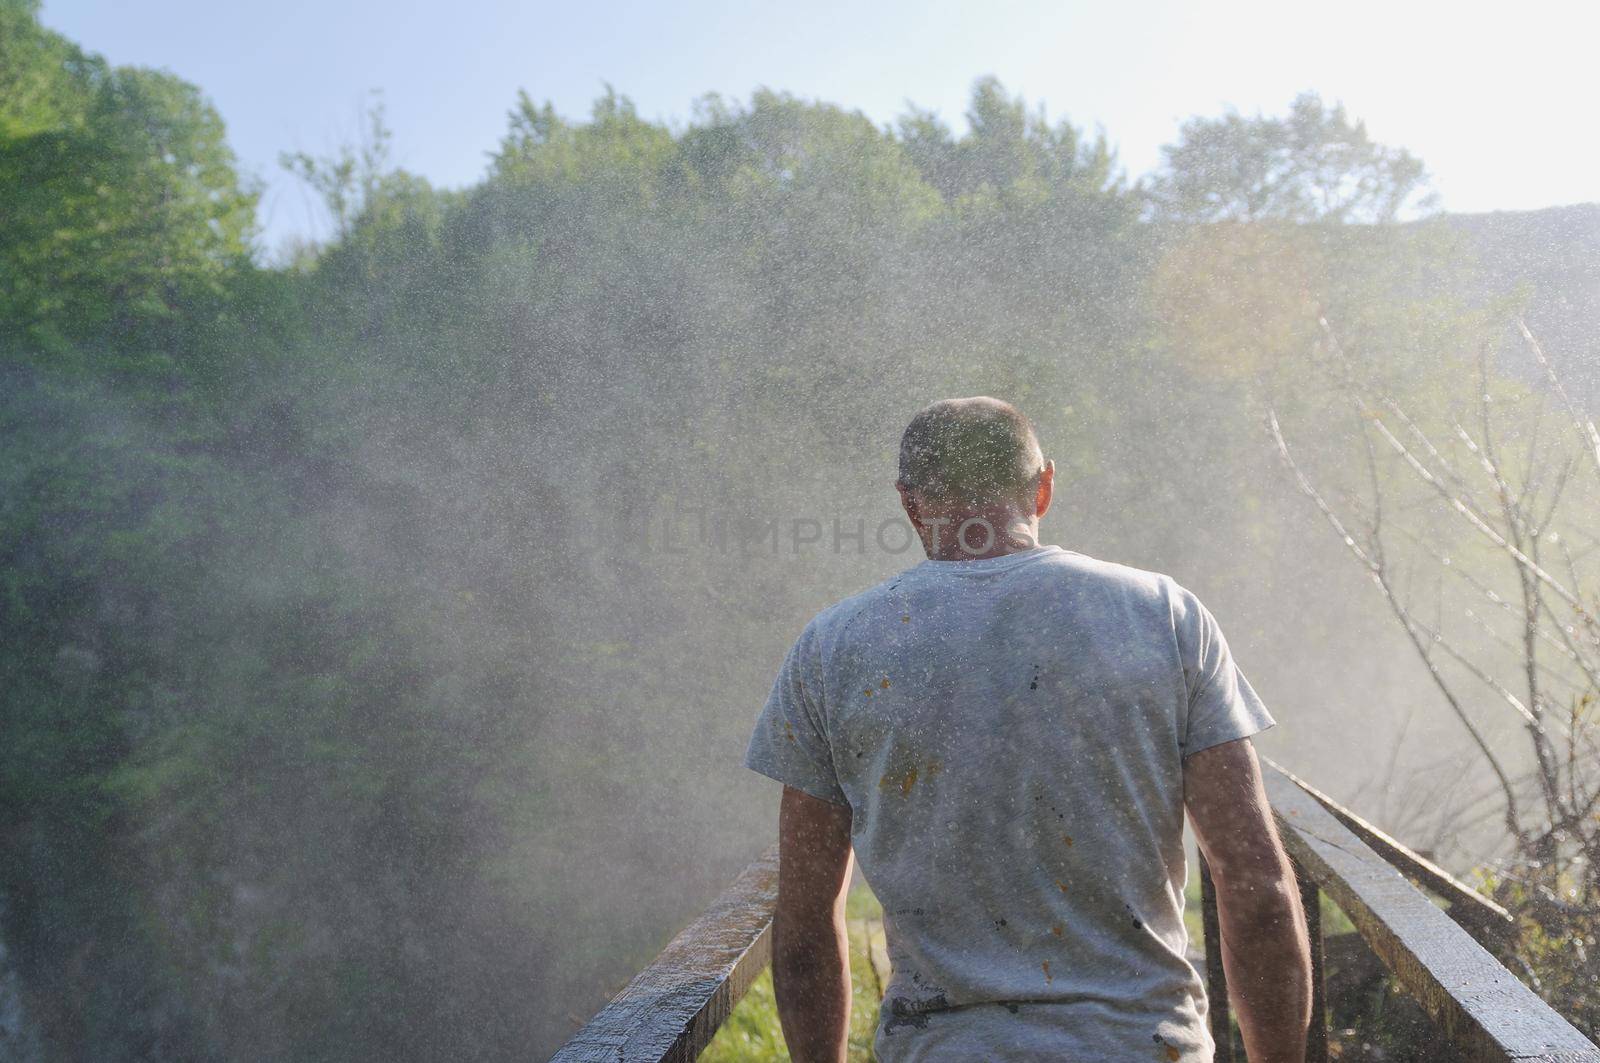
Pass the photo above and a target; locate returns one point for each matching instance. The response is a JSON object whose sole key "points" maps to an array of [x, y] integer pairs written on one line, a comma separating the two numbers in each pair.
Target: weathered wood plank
{"points": [[1471, 909], [1482, 1009], [672, 1009]]}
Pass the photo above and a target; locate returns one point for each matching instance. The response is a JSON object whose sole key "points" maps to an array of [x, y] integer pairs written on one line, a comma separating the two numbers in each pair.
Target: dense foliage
{"points": [[381, 631]]}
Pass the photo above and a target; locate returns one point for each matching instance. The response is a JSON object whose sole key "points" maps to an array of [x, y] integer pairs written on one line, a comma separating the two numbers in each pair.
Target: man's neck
{"points": [[977, 536]]}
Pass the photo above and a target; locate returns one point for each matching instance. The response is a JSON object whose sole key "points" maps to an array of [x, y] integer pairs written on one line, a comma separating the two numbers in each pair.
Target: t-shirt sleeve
{"points": [[790, 742], [1222, 704]]}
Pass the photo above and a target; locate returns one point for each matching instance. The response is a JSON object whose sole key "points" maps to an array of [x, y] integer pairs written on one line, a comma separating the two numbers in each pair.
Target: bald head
{"points": [[970, 452]]}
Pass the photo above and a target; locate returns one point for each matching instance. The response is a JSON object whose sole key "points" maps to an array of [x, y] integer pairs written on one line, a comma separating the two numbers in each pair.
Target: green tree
{"points": [[1315, 164], [120, 204], [1008, 150], [352, 177]]}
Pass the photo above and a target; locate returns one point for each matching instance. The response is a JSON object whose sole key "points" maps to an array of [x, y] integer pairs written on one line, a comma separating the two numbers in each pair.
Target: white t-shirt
{"points": [[1009, 735]]}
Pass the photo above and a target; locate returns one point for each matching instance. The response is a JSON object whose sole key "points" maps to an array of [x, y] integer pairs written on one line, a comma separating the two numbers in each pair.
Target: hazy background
{"points": [[393, 571]]}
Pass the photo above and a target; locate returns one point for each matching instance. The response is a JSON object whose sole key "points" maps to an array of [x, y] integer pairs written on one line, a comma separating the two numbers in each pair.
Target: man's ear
{"points": [[1047, 489], [908, 502]]}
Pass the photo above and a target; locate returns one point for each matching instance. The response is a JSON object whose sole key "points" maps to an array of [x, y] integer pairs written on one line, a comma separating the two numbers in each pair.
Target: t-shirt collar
{"points": [[986, 564]]}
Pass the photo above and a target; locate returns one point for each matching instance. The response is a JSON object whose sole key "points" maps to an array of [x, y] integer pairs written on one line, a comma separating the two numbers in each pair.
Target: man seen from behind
{"points": [[1008, 736]]}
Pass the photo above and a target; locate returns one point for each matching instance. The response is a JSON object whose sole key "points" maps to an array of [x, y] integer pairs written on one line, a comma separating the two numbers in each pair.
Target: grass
{"points": [[752, 1033]]}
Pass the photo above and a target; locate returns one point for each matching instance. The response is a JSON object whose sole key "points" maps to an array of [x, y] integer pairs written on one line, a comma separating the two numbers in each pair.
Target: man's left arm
{"points": [[810, 948]]}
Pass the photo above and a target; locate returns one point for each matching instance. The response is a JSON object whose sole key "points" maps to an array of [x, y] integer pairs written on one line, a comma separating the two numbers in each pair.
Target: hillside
{"points": [[1556, 254]]}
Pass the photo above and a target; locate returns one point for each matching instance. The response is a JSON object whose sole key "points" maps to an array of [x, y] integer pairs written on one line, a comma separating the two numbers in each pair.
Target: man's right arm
{"points": [[1265, 949]]}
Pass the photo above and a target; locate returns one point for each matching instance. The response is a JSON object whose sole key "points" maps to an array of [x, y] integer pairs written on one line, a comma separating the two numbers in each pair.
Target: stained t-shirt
{"points": [[1009, 735]]}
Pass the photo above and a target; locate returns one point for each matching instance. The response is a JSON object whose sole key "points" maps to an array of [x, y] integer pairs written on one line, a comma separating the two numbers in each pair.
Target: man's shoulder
{"points": [[835, 618], [1113, 574]]}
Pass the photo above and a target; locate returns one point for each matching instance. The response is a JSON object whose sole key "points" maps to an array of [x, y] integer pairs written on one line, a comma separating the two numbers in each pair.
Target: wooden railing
{"points": [[672, 1009]]}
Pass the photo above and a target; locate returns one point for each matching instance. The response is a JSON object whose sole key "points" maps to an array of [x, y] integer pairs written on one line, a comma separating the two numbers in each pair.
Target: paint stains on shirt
{"points": [[906, 779]]}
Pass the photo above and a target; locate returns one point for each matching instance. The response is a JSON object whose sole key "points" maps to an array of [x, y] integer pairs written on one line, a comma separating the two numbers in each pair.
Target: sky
{"points": [[1496, 99]]}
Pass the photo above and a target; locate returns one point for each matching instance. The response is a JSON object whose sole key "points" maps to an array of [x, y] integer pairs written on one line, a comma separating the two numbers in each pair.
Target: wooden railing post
{"points": [[1485, 920], [1479, 1008], [1311, 903], [1216, 977], [672, 1009]]}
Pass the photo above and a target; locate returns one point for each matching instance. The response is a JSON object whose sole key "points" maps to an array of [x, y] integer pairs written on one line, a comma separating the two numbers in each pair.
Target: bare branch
{"points": [[1487, 679], [1562, 646], [1477, 521], [1587, 433]]}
